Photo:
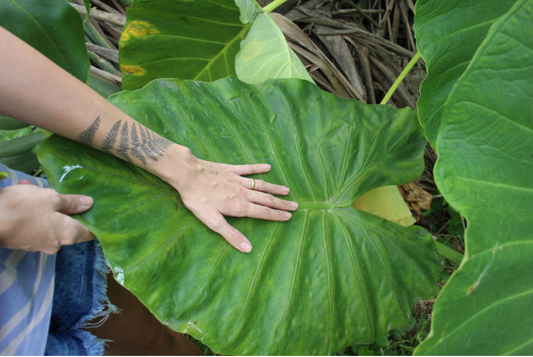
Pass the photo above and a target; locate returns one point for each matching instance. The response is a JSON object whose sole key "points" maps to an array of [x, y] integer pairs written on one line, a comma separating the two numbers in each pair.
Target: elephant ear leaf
{"points": [[448, 36], [181, 39], [329, 277], [484, 171]]}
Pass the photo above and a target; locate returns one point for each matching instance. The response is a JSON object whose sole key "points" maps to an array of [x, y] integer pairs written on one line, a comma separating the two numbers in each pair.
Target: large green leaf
{"points": [[485, 171], [448, 35], [330, 276], [180, 39], [53, 28], [265, 54]]}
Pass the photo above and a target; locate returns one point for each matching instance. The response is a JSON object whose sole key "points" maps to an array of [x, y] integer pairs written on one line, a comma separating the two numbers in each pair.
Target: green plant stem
{"points": [[273, 5], [400, 78], [449, 253]]}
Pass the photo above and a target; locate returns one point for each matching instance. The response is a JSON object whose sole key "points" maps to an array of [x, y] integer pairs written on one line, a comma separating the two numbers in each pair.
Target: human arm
{"points": [[35, 90]]}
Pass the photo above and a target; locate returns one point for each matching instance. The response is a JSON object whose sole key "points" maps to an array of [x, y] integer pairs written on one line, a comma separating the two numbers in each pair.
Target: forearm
{"points": [[37, 91]]}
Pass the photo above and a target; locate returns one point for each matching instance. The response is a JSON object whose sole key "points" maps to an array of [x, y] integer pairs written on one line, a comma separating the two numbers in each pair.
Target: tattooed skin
{"points": [[138, 142]]}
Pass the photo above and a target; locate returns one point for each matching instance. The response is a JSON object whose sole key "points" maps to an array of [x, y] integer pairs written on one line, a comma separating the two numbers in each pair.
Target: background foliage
{"points": [[485, 172]]}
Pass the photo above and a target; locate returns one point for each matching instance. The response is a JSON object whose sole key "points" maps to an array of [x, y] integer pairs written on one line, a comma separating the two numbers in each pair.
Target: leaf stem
{"points": [[400, 78], [449, 253], [273, 5]]}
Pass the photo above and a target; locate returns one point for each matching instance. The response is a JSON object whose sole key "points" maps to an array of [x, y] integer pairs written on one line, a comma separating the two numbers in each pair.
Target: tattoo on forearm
{"points": [[87, 136], [139, 142]]}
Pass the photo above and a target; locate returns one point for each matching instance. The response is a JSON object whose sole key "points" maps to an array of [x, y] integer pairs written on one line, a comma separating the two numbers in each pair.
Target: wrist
{"points": [[174, 166]]}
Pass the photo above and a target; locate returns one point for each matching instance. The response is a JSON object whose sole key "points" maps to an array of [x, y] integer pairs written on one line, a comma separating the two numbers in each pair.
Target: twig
{"points": [[109, 76], [387, 13], [108, 53], [407, 25], [352, 4], [119, 7], [344, 29], [102, 15], [362, 54], [102, 63], [106, 7]]}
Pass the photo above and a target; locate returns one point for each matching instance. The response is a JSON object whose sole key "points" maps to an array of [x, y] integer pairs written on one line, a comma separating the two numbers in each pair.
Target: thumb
{"points": [[73, 204]]}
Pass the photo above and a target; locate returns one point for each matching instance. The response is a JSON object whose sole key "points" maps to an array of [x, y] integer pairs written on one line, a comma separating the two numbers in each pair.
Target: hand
{"points": [[211, 191], [35, 219]]}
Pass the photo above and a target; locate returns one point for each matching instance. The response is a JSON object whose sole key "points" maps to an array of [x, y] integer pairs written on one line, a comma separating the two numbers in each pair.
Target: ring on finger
{"points": [[253, 184]]}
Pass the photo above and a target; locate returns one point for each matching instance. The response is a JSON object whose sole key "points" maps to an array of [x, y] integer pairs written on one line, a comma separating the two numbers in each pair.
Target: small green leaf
{"points": [[7, 123], [249, 10], [21, 145], [265, 54], [53, 28]]}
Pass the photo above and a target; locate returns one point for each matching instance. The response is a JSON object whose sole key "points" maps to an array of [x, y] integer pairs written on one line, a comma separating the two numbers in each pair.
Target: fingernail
{"points": [[294, 205], [267, 167], [86, 200], [285, 190], [246, 247], [288, 215]]}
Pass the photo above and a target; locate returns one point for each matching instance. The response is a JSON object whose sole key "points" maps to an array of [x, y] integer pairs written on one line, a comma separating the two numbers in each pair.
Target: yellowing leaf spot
{"points": [[250, 50], [133, 69], [138, 29]]}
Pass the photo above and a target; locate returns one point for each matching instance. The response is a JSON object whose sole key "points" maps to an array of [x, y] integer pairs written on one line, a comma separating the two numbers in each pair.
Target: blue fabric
{"points": [[26, 290], [80, 301], [48, 301]]}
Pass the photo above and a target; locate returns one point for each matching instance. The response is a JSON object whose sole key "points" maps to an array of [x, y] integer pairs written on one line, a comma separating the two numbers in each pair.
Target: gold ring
{"points": [[253, 184]]}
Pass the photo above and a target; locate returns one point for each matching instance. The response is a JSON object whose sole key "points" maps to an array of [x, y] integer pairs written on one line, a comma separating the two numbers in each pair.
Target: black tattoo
{"points": [[137, 142], [87, 136], [124, 143], [111, 137]]}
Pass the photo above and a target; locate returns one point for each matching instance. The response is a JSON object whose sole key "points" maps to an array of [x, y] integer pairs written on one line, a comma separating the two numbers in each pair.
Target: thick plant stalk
{"points": [[106, 75], [106, 7], [108, 53], [449, 253], [273, 5], [102, 15], [103, 63], [400, 78]]}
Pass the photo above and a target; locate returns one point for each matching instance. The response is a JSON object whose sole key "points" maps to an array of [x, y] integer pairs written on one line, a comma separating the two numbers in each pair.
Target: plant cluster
{"points": [[334, 276]]}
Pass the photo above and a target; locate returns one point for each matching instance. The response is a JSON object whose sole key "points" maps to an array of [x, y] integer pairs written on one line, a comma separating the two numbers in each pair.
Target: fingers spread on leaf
{"points": [[263, 186], [248, 169], [266, 213], [217, 223], [271, 201]]}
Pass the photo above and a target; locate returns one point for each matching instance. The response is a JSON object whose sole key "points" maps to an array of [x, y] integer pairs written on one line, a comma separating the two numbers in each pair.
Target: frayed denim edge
{"points": [[103, 307]]}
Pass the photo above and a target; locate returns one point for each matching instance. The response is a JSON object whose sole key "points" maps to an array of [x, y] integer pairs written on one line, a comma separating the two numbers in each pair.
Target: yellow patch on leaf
{"points": [[385, 202], [138, 29], [132, 69], [250, 50]]}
